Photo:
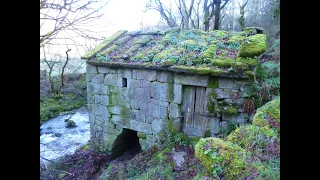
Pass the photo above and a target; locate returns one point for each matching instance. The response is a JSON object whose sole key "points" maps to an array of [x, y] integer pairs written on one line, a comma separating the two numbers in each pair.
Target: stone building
{"points": [[139, 83]]}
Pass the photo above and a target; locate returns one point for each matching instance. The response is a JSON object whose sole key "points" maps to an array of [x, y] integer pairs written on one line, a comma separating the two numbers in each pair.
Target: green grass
{"points": [[53, 106], [73, 96]]}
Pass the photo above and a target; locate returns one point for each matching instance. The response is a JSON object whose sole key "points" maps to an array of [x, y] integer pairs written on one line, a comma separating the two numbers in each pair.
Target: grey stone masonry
{"points": [[148, 75], [113, 80], [164, 77], [162, 91], [227, 83], [146, 100], [98, 78], [124, 73], [91, 69], [191, 80], [103, 70]]}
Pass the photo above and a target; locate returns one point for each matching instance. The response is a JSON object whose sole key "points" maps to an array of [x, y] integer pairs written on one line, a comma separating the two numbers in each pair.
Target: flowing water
{"points": [[56, 140]]}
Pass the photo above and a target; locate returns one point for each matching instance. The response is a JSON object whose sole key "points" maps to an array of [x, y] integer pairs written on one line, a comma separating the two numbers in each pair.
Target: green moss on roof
{"points": [[104, 44], [236, 38], [253, 46], [194, 50]]}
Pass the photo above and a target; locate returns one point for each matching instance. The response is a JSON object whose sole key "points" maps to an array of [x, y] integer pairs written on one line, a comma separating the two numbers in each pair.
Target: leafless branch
{"points": [[67, 15]]}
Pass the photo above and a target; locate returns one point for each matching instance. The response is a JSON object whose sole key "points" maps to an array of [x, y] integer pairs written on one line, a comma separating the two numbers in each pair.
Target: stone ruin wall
{"points": [[146, 100]]}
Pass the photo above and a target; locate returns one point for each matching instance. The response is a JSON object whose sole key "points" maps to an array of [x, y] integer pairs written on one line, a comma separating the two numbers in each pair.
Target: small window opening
{"points": [[124, 82]]}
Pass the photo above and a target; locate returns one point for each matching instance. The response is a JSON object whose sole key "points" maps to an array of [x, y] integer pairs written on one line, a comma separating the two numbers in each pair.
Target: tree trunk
{"points": [[62, 73], [207, 15], [217, 15]]}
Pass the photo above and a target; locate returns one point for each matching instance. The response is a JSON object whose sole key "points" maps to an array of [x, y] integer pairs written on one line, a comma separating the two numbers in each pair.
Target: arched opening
{"points": [[126, 141]]}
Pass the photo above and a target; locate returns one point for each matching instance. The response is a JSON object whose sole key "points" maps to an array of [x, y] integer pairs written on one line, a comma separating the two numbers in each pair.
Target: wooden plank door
{"points": [[194, 108]]}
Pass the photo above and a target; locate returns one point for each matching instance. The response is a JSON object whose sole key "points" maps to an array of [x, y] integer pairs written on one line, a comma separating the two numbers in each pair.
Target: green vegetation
{"points": [[105, 43], [188, 49], [221, 157], [253, 46], [255, 149], [268, 116], [74, 95], [53, 106]]}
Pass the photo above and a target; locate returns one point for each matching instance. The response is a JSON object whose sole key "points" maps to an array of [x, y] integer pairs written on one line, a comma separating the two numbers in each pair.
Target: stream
{"points": [[56, 140]]}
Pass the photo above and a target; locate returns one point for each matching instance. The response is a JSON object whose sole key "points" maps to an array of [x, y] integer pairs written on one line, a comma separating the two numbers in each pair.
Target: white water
{"points": [[56, 140]]}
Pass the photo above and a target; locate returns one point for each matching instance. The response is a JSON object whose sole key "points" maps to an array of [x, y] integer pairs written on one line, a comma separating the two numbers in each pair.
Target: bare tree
{"points": [[241, 19], [217, 11], [165, 12], [62, 72], [196, 24], [208, 11], [185, 12], [58, 16]]}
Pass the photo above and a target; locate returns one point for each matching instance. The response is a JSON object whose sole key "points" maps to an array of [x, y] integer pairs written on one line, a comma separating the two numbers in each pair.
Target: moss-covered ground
{"points": [[73, 96]]}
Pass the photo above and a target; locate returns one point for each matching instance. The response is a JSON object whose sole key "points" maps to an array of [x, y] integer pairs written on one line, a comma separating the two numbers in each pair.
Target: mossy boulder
{"points": [[221, 157], [252, 138], [268, 116], [253, 46], [70, 124]]}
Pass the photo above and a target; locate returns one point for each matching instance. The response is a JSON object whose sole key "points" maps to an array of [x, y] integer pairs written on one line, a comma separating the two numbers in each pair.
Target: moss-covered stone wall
{"points": [[146, 100]]}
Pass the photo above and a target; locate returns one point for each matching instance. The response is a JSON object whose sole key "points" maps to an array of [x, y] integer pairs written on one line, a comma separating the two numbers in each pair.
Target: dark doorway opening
{"points": [[127, 141]]}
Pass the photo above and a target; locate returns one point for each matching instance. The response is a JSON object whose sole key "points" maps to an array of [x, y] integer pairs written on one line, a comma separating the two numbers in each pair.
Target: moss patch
{"points": [[219, 33], [222, 62], [209, 52], [141, 135], [202, 52], [268, 116], [220, 157], [250, 61], [110, 49], [213, 82], [105, 43], [226, 109], [253, 46], [246, 137], [201, 70], [236, 38], [168, 62], [51, 106]]}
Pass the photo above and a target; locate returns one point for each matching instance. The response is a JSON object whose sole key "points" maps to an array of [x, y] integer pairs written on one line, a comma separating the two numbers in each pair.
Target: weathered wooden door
{"points": [[195, 109]]}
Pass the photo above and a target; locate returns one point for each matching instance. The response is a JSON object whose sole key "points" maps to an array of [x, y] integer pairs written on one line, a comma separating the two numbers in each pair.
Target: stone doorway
{"points": [[126, 141]]}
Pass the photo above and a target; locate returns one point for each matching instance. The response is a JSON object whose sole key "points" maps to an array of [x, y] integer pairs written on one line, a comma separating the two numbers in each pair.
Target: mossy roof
{"points": [[218, 53]]}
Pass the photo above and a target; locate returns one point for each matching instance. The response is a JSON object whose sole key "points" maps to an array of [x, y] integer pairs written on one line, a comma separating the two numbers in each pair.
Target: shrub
{"points": [[252, 139], [221, 157], [268, 117]]}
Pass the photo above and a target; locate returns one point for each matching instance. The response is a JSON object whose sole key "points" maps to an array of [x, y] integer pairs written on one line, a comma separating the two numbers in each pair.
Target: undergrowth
{"points": [[73, 96]]}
